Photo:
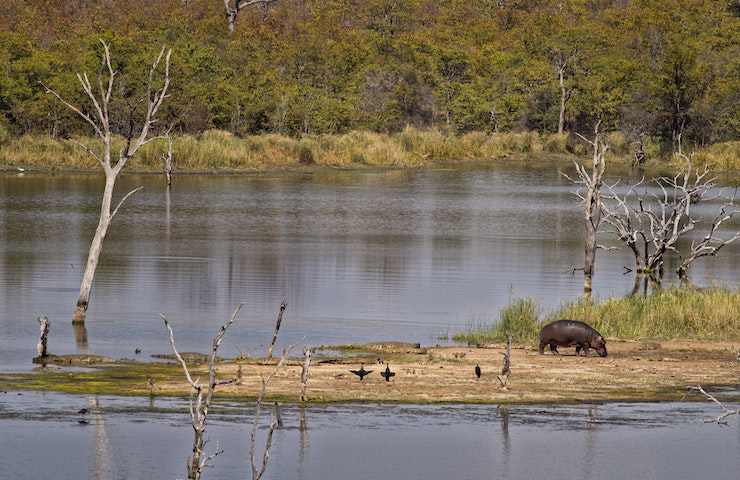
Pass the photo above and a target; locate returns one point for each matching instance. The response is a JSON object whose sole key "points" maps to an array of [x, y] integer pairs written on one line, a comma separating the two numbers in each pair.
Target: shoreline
{"points": [[635, 371]]}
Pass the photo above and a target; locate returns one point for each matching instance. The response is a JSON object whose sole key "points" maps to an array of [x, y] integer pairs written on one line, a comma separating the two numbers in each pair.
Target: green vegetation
{"points": [[676, 313], [315, 79], [220, 150]]}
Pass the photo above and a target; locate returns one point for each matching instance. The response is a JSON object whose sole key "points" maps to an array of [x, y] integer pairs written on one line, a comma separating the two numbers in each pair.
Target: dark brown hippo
{"points": [[567, 333]]}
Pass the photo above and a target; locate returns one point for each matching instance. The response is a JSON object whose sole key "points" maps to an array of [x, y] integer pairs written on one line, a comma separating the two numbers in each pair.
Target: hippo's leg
{"points": [[554, 348], [585, 350], [542, 347], [578, 350]]}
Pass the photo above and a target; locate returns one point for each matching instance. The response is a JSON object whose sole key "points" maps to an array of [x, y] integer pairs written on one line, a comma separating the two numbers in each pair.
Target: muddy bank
{"points": [[634, 371]]}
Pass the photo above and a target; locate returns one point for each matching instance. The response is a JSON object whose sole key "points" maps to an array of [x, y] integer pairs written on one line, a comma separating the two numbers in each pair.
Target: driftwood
{"points": [[726, 412], [278, 322], [200, 399], [41, 349], [98, 117]]}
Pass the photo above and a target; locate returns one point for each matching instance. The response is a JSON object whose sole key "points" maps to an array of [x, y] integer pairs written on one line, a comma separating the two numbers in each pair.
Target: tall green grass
{"points": [[676, 313]]}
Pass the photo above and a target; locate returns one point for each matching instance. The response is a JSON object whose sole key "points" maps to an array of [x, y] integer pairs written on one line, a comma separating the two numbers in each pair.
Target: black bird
{"points": [[82, 411], [362, 373], [477, 370], [387, 374], [137, 351], [82, 422]]}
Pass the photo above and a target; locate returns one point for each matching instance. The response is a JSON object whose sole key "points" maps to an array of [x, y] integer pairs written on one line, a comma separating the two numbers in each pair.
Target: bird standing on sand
{"points": [[477, 370], [362, 373], [387, 374]]}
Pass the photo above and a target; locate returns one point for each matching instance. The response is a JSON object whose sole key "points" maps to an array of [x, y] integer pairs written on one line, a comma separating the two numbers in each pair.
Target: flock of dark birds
{"points": [[387, 374]]}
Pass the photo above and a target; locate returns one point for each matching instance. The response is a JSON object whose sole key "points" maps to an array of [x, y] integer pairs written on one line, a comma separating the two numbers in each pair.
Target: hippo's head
{"points": [[599, 344]]}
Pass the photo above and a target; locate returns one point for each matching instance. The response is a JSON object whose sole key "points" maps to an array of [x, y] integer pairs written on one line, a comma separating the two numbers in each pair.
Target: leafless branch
{"points": [[726, 412], [506, 369], [259, 471], [233, 7], [115, 210], [200, 400]]}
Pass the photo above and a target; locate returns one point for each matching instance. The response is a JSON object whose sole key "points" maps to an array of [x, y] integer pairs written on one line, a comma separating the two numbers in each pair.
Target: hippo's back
{"points": [[560, 327]]}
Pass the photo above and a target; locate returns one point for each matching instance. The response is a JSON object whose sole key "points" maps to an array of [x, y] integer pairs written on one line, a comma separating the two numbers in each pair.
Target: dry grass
{"points": [[216, 150], [676, 313]]}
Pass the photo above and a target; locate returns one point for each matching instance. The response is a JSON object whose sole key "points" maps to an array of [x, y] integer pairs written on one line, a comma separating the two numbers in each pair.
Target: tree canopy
{"points": [[662, 68]]}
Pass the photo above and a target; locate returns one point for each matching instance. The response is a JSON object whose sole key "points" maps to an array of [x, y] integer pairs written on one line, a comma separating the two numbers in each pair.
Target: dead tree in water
{"points": [[100, 121], [259, 470], [278, 322], [43, 338], [200, 399], [589, 191], [651, 226], [167, 158], [233, 7]]}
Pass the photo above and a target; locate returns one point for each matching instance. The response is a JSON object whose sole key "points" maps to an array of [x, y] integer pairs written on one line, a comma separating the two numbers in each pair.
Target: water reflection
{"points": [[126, 439], [358, 257]]}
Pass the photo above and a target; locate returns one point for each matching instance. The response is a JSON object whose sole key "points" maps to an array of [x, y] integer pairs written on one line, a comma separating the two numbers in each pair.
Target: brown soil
{"points": [[633, 371]]}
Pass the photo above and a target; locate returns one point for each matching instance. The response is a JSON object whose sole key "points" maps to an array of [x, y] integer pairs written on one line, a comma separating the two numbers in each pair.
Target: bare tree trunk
{"points": [[96, 246], [278, 322], [43, 337], [304, 372], [593, 212], [238, 5], [99, 120], [563, 98]]}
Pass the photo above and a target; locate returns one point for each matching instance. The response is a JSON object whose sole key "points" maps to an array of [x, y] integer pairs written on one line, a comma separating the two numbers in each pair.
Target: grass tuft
{"points": [[675, 313]]}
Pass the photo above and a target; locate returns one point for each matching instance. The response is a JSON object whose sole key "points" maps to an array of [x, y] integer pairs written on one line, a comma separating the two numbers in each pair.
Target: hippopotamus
{"points": [[566, 333]]}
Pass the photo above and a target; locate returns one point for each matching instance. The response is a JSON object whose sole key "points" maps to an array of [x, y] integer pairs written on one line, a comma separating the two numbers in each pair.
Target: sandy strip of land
{"points": [[632, 371]]}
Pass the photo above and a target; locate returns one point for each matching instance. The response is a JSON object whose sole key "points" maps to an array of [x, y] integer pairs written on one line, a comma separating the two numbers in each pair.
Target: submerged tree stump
{"points": [[41, 347]]}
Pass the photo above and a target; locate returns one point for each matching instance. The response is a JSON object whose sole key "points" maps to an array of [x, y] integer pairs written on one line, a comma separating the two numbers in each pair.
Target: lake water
{"points": [[359, 256], [131, 439]]}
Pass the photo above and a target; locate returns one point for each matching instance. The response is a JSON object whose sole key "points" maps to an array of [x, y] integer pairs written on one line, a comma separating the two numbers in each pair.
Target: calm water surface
{"points": [[358, 256], [130, 439]]}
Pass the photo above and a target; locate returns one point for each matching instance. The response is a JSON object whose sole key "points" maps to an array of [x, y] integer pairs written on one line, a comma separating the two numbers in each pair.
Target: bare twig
{"points": [[726, 412]]}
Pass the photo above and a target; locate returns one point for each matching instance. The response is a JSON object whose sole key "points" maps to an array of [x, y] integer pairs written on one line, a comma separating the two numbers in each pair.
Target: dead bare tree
{"points": [[506, 368], [100, 121], [259, 470], [562, 63], [726, 412], [304, 372], [589, 191], [278, 322], [234, 7], [201, 397], [652, 225], [167, 159], [43, 337]]}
